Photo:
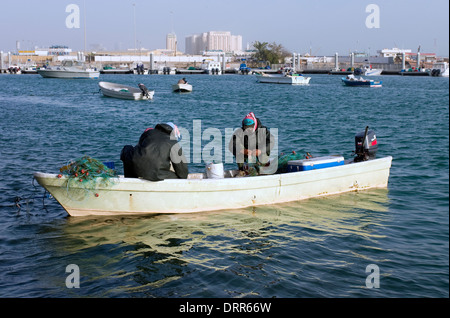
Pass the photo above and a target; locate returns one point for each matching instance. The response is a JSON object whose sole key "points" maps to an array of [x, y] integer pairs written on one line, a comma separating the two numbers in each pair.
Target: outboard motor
{"points": [[366, 145], [143, 89]]}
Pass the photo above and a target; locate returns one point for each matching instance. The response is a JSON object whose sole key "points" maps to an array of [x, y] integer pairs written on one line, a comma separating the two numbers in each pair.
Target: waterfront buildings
{"points": [[213, 41], [392, 52], [54, 50]]}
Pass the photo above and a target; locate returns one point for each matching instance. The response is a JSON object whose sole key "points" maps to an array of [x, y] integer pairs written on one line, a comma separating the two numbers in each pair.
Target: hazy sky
{"points": [[320, 27]]}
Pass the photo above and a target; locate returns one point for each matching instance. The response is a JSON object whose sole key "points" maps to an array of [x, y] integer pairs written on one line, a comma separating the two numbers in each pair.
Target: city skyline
{"points": [[319, 28]]}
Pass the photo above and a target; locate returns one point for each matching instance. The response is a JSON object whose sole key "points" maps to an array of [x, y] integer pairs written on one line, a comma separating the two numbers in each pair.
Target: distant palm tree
{"points": [[269, 53]]}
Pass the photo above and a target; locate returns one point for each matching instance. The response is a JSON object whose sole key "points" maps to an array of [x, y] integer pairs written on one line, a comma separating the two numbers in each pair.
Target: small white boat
{"points": [[138, 196], [440, 69], [70, 70], [125, 92], [369, 71], [351, 80], [212, 67], [182, 88], [30, 69], [285, 77]]}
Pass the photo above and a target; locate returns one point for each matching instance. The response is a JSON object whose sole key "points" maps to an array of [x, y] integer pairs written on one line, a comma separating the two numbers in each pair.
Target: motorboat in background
{"points": [[126, 92], [286, 76], [182, 88], [70, 70], [440, 69], [212, 67], [351, 80], [367, 70]]}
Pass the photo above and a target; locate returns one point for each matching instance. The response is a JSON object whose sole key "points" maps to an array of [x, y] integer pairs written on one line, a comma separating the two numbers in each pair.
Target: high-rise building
{"points": [[213, 41], [171, 42]]}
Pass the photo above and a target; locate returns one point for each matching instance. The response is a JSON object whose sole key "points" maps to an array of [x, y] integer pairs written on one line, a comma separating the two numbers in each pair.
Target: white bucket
{"points": [[214, 171]]}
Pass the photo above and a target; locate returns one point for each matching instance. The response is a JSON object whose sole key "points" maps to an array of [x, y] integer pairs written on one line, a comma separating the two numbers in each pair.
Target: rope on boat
{"points": [[29, 200]]}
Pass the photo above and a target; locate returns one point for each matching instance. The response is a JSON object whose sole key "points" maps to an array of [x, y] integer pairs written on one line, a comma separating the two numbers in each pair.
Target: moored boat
{"points": [[351, 80], [70, 70], [440, 69], [125, 92], [284, 77], [369, 71]]}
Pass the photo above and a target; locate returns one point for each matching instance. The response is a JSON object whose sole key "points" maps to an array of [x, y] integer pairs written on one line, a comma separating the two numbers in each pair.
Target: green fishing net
{"points": [[283, 160], [88, 174], [252, 169]]}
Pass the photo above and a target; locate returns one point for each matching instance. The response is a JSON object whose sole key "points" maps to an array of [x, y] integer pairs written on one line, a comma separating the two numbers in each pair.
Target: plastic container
{"points": [[315, 163], [214, 171]]}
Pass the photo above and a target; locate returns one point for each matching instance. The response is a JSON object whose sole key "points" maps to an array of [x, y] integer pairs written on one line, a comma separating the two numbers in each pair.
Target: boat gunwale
{"points": [[236, 183]]}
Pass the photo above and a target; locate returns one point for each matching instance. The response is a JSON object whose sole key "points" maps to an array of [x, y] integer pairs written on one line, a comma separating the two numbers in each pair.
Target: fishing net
{"points": [[87, 173], [283, 160], [252, 169]]}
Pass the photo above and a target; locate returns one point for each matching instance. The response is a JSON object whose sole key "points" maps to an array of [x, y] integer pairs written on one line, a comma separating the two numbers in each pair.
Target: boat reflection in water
{"points": [[150, 252]]}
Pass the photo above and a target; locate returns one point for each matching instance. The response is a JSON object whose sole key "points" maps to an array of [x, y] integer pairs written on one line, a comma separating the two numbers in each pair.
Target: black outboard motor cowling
{"points": [[143, 89], [366, 145]]}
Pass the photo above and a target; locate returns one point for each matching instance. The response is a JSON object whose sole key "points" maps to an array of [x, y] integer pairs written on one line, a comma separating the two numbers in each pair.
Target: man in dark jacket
{"points": [[157, 156], [251, 143]]}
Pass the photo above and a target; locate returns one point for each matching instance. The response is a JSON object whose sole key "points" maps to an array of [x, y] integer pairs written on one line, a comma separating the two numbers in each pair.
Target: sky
{"points": [[319, 27]]}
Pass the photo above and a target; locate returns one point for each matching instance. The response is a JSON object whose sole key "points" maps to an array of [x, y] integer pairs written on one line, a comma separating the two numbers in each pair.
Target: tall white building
{"points": [[213, 41], [171, 42]]}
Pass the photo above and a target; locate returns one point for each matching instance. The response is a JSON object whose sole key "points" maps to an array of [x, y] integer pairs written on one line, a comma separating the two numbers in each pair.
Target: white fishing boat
{"points": [[440, 69], [284, 77], [212, 67], [369, 71], [30, 69], [139, 196], [70, 70], [125, 92], [122, 69], [182, 88]]}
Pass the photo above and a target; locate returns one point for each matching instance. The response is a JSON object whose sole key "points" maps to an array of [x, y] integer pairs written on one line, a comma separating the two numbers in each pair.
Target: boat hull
{"points": [[281, 79], [373, 72], [358, 83], [69, 74], [182, 88], [138, 196]]}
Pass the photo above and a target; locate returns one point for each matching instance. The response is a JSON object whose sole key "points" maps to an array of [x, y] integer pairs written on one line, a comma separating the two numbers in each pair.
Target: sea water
{"points": [[389, 242]]}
